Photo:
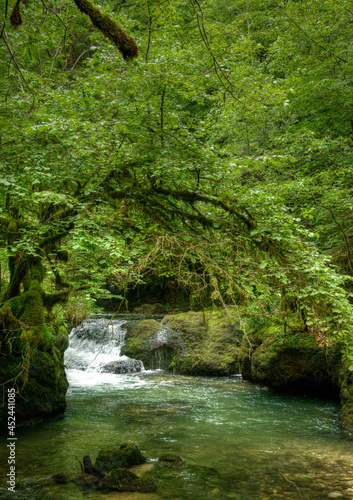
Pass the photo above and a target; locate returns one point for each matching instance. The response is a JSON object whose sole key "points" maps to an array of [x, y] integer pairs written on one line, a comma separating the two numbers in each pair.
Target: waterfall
{"points": [[95, 347]]}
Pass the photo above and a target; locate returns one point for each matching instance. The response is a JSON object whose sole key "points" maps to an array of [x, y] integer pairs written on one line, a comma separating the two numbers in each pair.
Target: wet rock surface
{"points": [[170, 460], [125, 480], [126, 366], [193, 343], [126, 455]]}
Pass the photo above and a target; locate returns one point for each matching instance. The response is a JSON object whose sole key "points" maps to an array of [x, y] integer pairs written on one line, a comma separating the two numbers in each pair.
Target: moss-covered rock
{"points": [[170, 460], [44, 393], [154, 345], [193, 343], [289, 362], [151, 309], [126, 455], [210, 341], [64, 477], [124, 480]]}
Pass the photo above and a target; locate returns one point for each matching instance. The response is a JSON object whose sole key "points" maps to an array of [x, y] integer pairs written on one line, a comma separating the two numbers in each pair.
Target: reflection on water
{"points": [[238, 440]]}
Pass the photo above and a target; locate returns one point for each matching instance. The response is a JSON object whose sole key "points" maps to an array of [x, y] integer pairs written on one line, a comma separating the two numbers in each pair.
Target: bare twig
{"points": [[55, 14], [80, 463], [55, 56]]}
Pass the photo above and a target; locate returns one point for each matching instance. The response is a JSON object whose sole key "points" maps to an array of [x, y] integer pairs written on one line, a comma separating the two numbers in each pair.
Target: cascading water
{"points": [[95, 347]]}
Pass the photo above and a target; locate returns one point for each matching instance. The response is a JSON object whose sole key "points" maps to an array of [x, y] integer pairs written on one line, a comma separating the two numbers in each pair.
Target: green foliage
{"points": [[219, 159]]}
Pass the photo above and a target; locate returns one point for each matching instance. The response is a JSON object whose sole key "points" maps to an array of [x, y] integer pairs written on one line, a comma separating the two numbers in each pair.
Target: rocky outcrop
{"points": [[291, 363], [147, 341], [193, 343]]}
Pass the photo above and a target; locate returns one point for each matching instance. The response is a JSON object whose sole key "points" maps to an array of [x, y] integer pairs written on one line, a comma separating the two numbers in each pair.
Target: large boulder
{"points": [[43, 395], [210, 342], [290, 362], [193, 343], [151, 343]]}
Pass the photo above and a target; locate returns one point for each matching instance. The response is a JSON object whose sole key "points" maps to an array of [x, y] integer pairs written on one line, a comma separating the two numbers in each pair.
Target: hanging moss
{"points": [[125, 43], [16, 17]]}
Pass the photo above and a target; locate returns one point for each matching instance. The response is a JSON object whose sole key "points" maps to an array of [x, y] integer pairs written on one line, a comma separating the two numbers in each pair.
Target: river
{"points": [[238, 440]]}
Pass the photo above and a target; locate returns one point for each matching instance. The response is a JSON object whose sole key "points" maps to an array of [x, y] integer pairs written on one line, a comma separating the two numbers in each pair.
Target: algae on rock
{"points": [[126, 455], [120, 479]]}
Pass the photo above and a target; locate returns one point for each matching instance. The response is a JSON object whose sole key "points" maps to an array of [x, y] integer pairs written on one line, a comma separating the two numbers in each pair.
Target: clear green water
{"points": [[238, 440]]}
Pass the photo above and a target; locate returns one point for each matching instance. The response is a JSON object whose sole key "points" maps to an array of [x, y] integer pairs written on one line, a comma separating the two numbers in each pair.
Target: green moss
{"points": [[33, 309], [63, 477], [30, 360], [125, 44], [170, 460], [142, 343], [44, 393], [194, 343], [150, 309], [126, 455], [191, 324], [138, 333], [123, 480], [16, 306], [276, 360]]}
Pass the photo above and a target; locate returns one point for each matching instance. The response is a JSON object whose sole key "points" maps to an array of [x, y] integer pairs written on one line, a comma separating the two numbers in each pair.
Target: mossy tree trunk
{"points": [[25, 308]]}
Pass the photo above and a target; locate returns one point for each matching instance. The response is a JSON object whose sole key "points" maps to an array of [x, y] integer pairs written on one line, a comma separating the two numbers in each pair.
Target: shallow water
{"points": [[238, 440]]}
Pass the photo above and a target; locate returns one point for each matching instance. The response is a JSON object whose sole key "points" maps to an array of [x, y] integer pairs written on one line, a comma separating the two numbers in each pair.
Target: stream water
{"points": [[238, 440]]}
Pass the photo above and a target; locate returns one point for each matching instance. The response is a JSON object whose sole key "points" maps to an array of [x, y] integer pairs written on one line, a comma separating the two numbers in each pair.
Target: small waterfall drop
{"points": [[95, 347]]}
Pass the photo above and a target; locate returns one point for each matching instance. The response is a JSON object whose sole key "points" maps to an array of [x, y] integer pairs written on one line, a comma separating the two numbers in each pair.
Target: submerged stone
{"points": [[63, 477], [170, 460], [124, 480], [126, 455], [80, 479]]}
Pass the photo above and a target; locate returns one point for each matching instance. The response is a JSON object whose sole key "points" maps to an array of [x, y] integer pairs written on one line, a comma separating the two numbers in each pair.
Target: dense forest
{"points": [[189, 161], [202, 146]]}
